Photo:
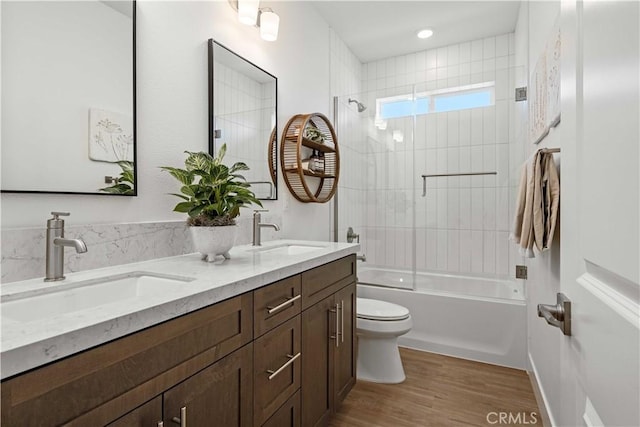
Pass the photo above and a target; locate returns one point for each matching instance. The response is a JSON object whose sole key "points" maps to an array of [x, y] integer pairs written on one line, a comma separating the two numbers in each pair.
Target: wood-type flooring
{"points": [[443, 391]]}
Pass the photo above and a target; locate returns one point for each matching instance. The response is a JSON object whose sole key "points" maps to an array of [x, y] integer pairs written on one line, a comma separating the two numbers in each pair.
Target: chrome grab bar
{"points": [[272, 310], [292, 359], [558, 315]]}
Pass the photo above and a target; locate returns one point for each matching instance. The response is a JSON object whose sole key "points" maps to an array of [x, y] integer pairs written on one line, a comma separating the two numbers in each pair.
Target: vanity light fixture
{"points": [[269, 24], [425, 34], [250, 13]]}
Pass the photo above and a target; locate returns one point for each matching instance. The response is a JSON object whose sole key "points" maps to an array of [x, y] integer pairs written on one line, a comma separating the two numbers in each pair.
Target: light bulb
{"points": [[248, 11], [269, 23]]}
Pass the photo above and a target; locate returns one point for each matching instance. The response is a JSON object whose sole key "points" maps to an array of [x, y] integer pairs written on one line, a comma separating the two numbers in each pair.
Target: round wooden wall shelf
{"points": [[306, 181]]}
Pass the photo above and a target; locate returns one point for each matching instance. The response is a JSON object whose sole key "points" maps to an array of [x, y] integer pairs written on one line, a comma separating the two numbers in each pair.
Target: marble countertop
{"points": [[29, 344]]}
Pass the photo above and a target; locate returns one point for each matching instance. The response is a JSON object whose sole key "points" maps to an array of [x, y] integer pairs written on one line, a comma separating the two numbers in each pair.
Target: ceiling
{"points": [[381, 29]]}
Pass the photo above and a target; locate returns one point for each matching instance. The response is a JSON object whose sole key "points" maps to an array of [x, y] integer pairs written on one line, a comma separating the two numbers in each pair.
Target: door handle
{"points": [[336, 336], [558, 315], [342, 320]]}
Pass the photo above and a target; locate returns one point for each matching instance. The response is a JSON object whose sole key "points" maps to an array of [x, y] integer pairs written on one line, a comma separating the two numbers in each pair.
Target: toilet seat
{"points": [[372, 309]]}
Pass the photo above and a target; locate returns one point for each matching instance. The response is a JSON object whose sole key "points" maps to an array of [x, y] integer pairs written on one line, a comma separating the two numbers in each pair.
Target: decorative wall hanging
{"points": [[544, 86], [110, 136]]}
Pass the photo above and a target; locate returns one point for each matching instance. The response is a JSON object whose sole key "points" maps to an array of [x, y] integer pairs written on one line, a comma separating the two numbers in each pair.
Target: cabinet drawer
{"points": [[277, 362], [321, 282], [288, 415], [103, 383], [275, 303]]}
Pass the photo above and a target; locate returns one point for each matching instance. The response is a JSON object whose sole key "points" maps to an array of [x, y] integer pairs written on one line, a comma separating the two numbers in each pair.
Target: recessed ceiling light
{"points": [[425, 34]]}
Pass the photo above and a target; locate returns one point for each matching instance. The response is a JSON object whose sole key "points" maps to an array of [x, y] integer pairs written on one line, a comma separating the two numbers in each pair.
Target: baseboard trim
{"points": [[545, 414]]}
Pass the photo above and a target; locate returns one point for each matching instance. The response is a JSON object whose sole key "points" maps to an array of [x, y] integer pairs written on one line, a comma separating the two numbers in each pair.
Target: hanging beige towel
{"points": [[523, 232], [551, 199], [537, 204]]}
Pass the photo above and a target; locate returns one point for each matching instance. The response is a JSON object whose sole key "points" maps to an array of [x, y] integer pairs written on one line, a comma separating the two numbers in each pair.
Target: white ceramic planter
{"points": [[213, 241]]}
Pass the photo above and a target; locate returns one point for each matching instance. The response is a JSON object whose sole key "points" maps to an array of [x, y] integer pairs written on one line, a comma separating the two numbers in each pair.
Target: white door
{"points": [[599, 213]]}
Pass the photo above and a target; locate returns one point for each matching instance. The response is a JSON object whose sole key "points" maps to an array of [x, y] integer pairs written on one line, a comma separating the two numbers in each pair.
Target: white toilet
{"points": [[379, 324]]}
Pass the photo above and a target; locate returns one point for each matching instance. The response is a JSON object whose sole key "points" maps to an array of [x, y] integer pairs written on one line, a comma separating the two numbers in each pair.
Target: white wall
{"points": [[535, 25], [172, 117], [172, 110]]}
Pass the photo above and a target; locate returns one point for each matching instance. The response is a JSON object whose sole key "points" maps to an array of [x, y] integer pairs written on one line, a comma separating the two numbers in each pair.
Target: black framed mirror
{"points": [[243, 105], [69, 97]]}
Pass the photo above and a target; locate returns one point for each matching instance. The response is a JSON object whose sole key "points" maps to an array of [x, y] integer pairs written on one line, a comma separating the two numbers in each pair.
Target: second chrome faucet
{"points": [[55, 247], [257, 227]]}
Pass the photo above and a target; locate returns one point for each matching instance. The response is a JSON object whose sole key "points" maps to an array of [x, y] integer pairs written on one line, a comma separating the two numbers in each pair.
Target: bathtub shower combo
{"points": [[470, 317], [429, 176]]}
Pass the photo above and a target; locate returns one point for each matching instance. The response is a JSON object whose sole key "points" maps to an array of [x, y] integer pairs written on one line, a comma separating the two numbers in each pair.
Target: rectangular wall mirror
{"points": [[243, 107], [68, 97]]}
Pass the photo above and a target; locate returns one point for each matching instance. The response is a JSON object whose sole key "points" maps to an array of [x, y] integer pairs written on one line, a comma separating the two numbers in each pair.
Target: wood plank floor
{"points": [[442, 391]]}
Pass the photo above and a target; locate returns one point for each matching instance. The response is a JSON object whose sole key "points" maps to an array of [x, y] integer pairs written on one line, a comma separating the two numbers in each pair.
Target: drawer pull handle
{"points": [[183, 417], [278, 307], [291, 357]]}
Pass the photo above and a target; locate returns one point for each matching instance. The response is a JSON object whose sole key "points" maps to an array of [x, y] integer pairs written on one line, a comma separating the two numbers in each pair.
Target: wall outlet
{"points": [[521, 271]]}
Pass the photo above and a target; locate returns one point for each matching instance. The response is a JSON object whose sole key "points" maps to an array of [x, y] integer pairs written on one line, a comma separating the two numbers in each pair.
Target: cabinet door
{"points": [[277, 360], [148, 414], [344, 372], [318, 341], [220, 395]]}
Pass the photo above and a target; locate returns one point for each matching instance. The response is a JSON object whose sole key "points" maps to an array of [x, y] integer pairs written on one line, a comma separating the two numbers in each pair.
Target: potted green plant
{"points": [[212, 195]]}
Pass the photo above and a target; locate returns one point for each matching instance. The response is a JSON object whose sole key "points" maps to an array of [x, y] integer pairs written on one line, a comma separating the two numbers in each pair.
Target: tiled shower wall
{"points": [[244, 113], [462, 224], [346, 77]]}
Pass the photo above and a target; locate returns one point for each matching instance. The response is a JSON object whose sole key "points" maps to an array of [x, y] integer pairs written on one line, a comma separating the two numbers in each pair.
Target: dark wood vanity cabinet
{"points": [[263, 358], [328, 339]]}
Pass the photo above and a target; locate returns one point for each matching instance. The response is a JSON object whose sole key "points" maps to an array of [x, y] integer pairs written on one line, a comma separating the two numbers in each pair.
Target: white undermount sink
{"points": [[287, 249], [78, 296]]}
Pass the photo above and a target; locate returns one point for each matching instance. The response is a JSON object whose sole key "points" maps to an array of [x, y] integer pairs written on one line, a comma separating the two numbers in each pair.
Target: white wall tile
{"points": [[432, 60], [502, 45], [442, 128], [453, 128], [465, 246], [489, 48], [464, 53], [453, 251], [432, 248], [477, 248], [442, 250], [489, 252], [477, 50]]}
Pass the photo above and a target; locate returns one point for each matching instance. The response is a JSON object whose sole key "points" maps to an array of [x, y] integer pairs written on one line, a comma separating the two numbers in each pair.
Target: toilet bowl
{"points": [[378, 326]]}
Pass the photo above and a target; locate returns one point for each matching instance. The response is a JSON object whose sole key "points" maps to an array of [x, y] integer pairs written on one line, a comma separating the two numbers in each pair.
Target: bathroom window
{"points": [[436, 101]]}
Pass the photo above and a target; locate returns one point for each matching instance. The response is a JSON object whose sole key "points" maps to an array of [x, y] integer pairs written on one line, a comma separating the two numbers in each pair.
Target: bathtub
{"points": [[475, 318]]}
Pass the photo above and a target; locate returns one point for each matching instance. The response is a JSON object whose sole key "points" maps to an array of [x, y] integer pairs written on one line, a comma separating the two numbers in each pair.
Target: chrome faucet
{"points": [[257, 225], [55, 247]]}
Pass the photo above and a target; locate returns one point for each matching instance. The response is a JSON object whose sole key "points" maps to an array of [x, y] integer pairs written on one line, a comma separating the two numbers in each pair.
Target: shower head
{"points": [[360, 105]]}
